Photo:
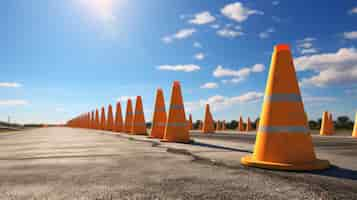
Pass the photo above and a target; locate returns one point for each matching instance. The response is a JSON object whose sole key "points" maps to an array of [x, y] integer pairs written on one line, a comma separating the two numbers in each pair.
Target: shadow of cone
{"points": [[110, 120], [118, 124], [159, 116], [208, 125], [283, 140], [128, 117], [176, 124], [102, 119], [324, 130], [139, 125], [249, 125], [96, 122], [354, 133]]}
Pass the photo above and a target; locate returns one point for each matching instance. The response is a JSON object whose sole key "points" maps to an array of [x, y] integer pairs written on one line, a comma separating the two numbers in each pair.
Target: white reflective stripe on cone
{"points": [[283, 98], [284, 129]]}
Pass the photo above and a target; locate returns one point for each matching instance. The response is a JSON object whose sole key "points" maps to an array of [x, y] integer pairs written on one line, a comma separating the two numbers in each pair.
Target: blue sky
{"points": [[62, 58]]}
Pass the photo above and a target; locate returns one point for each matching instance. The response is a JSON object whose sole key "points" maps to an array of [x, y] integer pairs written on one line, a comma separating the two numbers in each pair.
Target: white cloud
{"points": [[183, 68], [307, 39], [237, 12], [317, 99], [275, 3], [228, 33], [266, 34], [10, 85], [219, 102], [353, 11], [181, 34], [350, 35], [237, 75], [203, 18], [209, 85], [200, 56], [13, 102], [305, 46], [197, 45], [125, 98], [331, 68], [215, 26], [308, 51]]}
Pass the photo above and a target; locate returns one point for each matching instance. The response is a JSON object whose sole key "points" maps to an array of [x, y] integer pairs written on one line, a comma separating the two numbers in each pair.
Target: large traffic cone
{"points": [[331, 128], [102, 119], [128, 117], [241, 124], [110, 120], [139, 125], [175, 130], [354, 133], [97, 122], [208, 125], [249, 125], [118, 124], [159, 116], [283, 140], [324, 130]]}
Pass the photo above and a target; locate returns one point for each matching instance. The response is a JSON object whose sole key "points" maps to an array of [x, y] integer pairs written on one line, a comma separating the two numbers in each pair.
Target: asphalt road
{"points": [[64, 163]]}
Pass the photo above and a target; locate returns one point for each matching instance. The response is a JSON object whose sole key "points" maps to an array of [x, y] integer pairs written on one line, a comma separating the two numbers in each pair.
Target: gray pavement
{"points": [[64, 163]]}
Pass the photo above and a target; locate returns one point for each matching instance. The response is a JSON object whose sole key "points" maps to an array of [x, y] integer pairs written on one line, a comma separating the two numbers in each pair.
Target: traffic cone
{"points": [[249, 125], [223, 125], [324, 130], [200, 125], [118, 124], [102, 119], [92, 120], [241, 124], [128, 117], [190, 122], [175, 130], [354, 133], [159, 116], [97, 122], [283, 140], [110, 120], [139, 125], [218, 125], [331, 128], [208, 125]]}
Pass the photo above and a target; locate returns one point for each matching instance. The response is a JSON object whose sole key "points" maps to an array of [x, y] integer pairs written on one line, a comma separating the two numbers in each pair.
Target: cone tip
{"points": [[282, 47], [176, 83]]}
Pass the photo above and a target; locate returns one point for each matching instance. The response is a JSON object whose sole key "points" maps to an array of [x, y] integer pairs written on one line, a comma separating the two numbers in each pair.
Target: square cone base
{"points": [[310, 166], [178, 141]]}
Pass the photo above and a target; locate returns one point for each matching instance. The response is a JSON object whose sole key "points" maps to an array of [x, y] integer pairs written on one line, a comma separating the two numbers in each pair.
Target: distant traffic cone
{"points": [[92, 119], [102, 119], [354, 133], [208, 125], [110, 119], [128, 117], [139, 125], [241, 124], [331, 127], [249, 125], [223, 125], [175, 130], [324, 130], [283, 140], [218, 125], [190, 122], [159, 116], [97, 122], [118, 124], [200, 125]]}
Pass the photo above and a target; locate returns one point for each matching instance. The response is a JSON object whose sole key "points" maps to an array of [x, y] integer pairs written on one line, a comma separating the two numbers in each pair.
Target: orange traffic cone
{"points": [[139, 125], [324, 130], [190, 122], [208, 125], [241, 124], [175, 130], [97, 122], [224, 125], [159, 117], [354, 133], [331, 127], [128, 117], [218, 125], [92, 120], [200, 125], [102, 119], [283, 140], [110, 120], [118, 125], [249, 125]]}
